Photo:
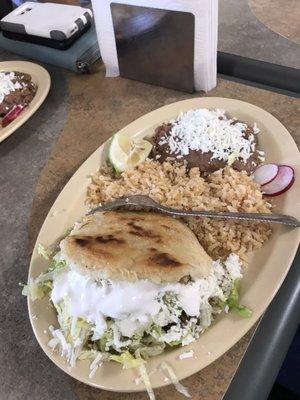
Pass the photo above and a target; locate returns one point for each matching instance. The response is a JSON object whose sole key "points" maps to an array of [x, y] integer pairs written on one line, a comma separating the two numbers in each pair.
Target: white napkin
{"points": [[206, 31]]}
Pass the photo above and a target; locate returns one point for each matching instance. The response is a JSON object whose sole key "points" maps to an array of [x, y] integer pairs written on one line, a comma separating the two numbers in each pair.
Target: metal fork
{"points": [[145, 201]]}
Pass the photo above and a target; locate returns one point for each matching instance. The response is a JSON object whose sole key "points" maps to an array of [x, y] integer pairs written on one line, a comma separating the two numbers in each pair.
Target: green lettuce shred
{"points": [[37, 288], [57, 265], [233, 303], [106, 337], [88, 354], [42, 251], [127, 360], [152, 349]]}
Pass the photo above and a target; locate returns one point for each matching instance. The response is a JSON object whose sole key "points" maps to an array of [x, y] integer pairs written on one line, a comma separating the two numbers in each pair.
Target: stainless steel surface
{"points": [[141, 201], [155, 46]]}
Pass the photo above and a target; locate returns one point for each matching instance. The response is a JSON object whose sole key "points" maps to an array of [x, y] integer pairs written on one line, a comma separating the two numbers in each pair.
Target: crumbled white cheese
{"points": [[7, 85], [256, 130], [233, 266], [188, 339], [186, 354], [209, 131], [227, 272]]}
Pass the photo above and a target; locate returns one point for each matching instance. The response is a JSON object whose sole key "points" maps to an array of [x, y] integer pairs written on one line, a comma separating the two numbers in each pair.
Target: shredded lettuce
{"points": [[243, 311], [73, 328], [88, 354], [146, 380], [171, 301], [76, 338], [178, 386], [156, 331], [98, 360], [233, 303], [36, 290], [72, 335], [57, 265], [42, 251], [149, 345], [175, 343], [106, 338], [149, 351], [127, 360], [69, 230]]}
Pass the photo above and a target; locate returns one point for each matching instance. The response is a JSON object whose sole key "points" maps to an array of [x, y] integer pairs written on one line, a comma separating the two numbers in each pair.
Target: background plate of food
{"points": [[164, 296], [23, 88]]}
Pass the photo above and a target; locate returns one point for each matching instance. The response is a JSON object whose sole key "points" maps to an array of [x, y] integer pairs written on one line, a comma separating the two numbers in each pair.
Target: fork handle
{"points": [[273, 218], [140, 201]]}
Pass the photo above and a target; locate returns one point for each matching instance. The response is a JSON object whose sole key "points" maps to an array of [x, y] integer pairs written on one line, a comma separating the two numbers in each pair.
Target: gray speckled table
{"points": [[242, 33], [22, 157]]}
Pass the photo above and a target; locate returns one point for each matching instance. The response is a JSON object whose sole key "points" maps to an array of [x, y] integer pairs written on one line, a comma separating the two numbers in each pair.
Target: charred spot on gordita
{"points": [[132, 224], [81, 242], [165, 226], [142, 232], [109, 239], [105, 239], [152, 249], [136, 233], [164, 260]]}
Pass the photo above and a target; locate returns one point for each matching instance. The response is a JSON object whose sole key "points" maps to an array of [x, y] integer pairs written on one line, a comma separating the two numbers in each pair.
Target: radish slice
{"points": [[12, 114], [283, 181], [265, 173]]}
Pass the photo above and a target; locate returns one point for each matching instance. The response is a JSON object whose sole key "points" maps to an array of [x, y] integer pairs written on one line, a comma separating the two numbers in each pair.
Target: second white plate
{"points": [[40, 77]]}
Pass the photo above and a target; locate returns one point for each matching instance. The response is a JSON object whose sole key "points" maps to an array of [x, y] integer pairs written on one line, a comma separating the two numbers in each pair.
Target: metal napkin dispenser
{"points": [[171, 43], [155, 46]]}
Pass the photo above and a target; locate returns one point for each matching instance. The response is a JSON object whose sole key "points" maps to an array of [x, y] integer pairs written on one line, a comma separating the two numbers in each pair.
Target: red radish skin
{"points": [[283, 190], [12, 115], [283, 181], [265, 174]]}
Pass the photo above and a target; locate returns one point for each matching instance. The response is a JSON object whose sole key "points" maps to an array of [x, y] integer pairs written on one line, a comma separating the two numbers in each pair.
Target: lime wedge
{"points": [[125, 153]]}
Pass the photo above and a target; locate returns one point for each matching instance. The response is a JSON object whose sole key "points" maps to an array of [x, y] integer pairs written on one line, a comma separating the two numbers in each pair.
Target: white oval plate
{"points": [[40, 77], [267, 270]]}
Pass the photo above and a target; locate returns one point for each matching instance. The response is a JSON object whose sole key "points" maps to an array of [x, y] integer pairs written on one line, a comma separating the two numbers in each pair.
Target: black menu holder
{"points": [[155, 46]]}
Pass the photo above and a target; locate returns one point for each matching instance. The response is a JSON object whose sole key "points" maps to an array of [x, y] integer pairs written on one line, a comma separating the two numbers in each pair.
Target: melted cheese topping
{"points": [[7, 85], [209, 131]]}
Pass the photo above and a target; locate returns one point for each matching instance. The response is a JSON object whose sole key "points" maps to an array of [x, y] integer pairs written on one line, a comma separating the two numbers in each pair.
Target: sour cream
{"points": [[130, 304]]}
